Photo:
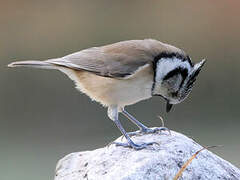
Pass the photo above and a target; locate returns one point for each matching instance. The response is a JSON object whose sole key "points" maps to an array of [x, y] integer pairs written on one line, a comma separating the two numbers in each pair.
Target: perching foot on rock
{"points": [[149, 131], [134, 146]]}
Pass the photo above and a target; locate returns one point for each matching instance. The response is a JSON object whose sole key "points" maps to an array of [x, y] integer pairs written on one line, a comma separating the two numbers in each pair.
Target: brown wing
{"points": [[118, 60]]}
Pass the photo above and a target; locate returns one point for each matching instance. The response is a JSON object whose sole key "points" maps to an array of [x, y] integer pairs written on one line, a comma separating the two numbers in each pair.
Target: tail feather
{"points": [[34, 64]]}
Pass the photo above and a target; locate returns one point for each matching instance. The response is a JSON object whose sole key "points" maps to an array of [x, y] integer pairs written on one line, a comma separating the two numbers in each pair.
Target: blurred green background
{"points": [[42, 116]]}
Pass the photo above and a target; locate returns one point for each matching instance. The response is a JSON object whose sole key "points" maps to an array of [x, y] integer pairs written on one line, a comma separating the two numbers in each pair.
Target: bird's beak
{"points": [[168, 106]]}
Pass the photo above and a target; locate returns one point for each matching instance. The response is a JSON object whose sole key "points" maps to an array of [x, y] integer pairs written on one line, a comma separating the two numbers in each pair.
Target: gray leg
{"points": [[113, 114], [143, 129]]}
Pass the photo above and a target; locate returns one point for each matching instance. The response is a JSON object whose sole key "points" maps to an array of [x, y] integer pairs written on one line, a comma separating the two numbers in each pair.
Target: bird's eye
{"points": [[174, 94], [176, 71], [171, 74]]}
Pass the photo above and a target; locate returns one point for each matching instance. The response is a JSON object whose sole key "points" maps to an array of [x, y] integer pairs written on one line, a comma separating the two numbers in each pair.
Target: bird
{"points": [[126, 72]]}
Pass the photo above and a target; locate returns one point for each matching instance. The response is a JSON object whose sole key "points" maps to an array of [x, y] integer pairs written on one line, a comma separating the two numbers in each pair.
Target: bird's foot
{"points": [[134, 146], [149, 131]]}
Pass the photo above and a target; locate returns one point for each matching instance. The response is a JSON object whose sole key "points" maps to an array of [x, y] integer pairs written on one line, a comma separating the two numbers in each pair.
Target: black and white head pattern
{"points": [[174, 77]]}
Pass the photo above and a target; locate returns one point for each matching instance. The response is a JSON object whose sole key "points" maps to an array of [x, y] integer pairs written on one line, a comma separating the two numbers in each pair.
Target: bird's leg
{"points": [[143, 129], [113, 114]]}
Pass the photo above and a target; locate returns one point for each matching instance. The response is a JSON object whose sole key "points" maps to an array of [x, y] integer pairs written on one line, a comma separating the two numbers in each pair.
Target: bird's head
{"points": [[174, 78]]}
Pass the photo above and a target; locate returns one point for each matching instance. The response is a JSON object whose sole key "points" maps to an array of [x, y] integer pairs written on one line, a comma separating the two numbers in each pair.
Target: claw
{"points": [[135, 146], [155, 130], [136, 133], [148, 131], [160, 129]]}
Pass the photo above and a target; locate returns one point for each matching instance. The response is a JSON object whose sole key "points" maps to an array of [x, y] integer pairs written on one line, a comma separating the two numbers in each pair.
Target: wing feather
{"points": [[118, 60]]}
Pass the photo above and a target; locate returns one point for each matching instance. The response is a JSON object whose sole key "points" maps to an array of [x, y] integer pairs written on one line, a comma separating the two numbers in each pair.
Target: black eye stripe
{"points": [[178, 70], [171, 74]]}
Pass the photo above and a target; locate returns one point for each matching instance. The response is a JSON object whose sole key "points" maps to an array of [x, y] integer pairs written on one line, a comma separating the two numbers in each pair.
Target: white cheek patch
{"points": [[165, 65]]}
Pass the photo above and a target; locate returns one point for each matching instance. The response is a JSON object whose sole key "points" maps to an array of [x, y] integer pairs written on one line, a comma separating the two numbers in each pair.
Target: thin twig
{"points": [[163, 125], [190, 160]]}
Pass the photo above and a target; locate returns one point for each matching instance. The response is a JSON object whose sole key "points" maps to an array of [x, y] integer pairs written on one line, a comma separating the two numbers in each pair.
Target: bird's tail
{"points": [[33, 64]]}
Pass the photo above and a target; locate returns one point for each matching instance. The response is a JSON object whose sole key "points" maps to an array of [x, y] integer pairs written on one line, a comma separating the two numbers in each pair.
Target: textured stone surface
{"points": [[161, 161]]}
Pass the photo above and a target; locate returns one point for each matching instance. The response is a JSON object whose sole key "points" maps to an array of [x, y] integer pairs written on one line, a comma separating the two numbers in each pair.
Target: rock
{"points": [[161, 161]]}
